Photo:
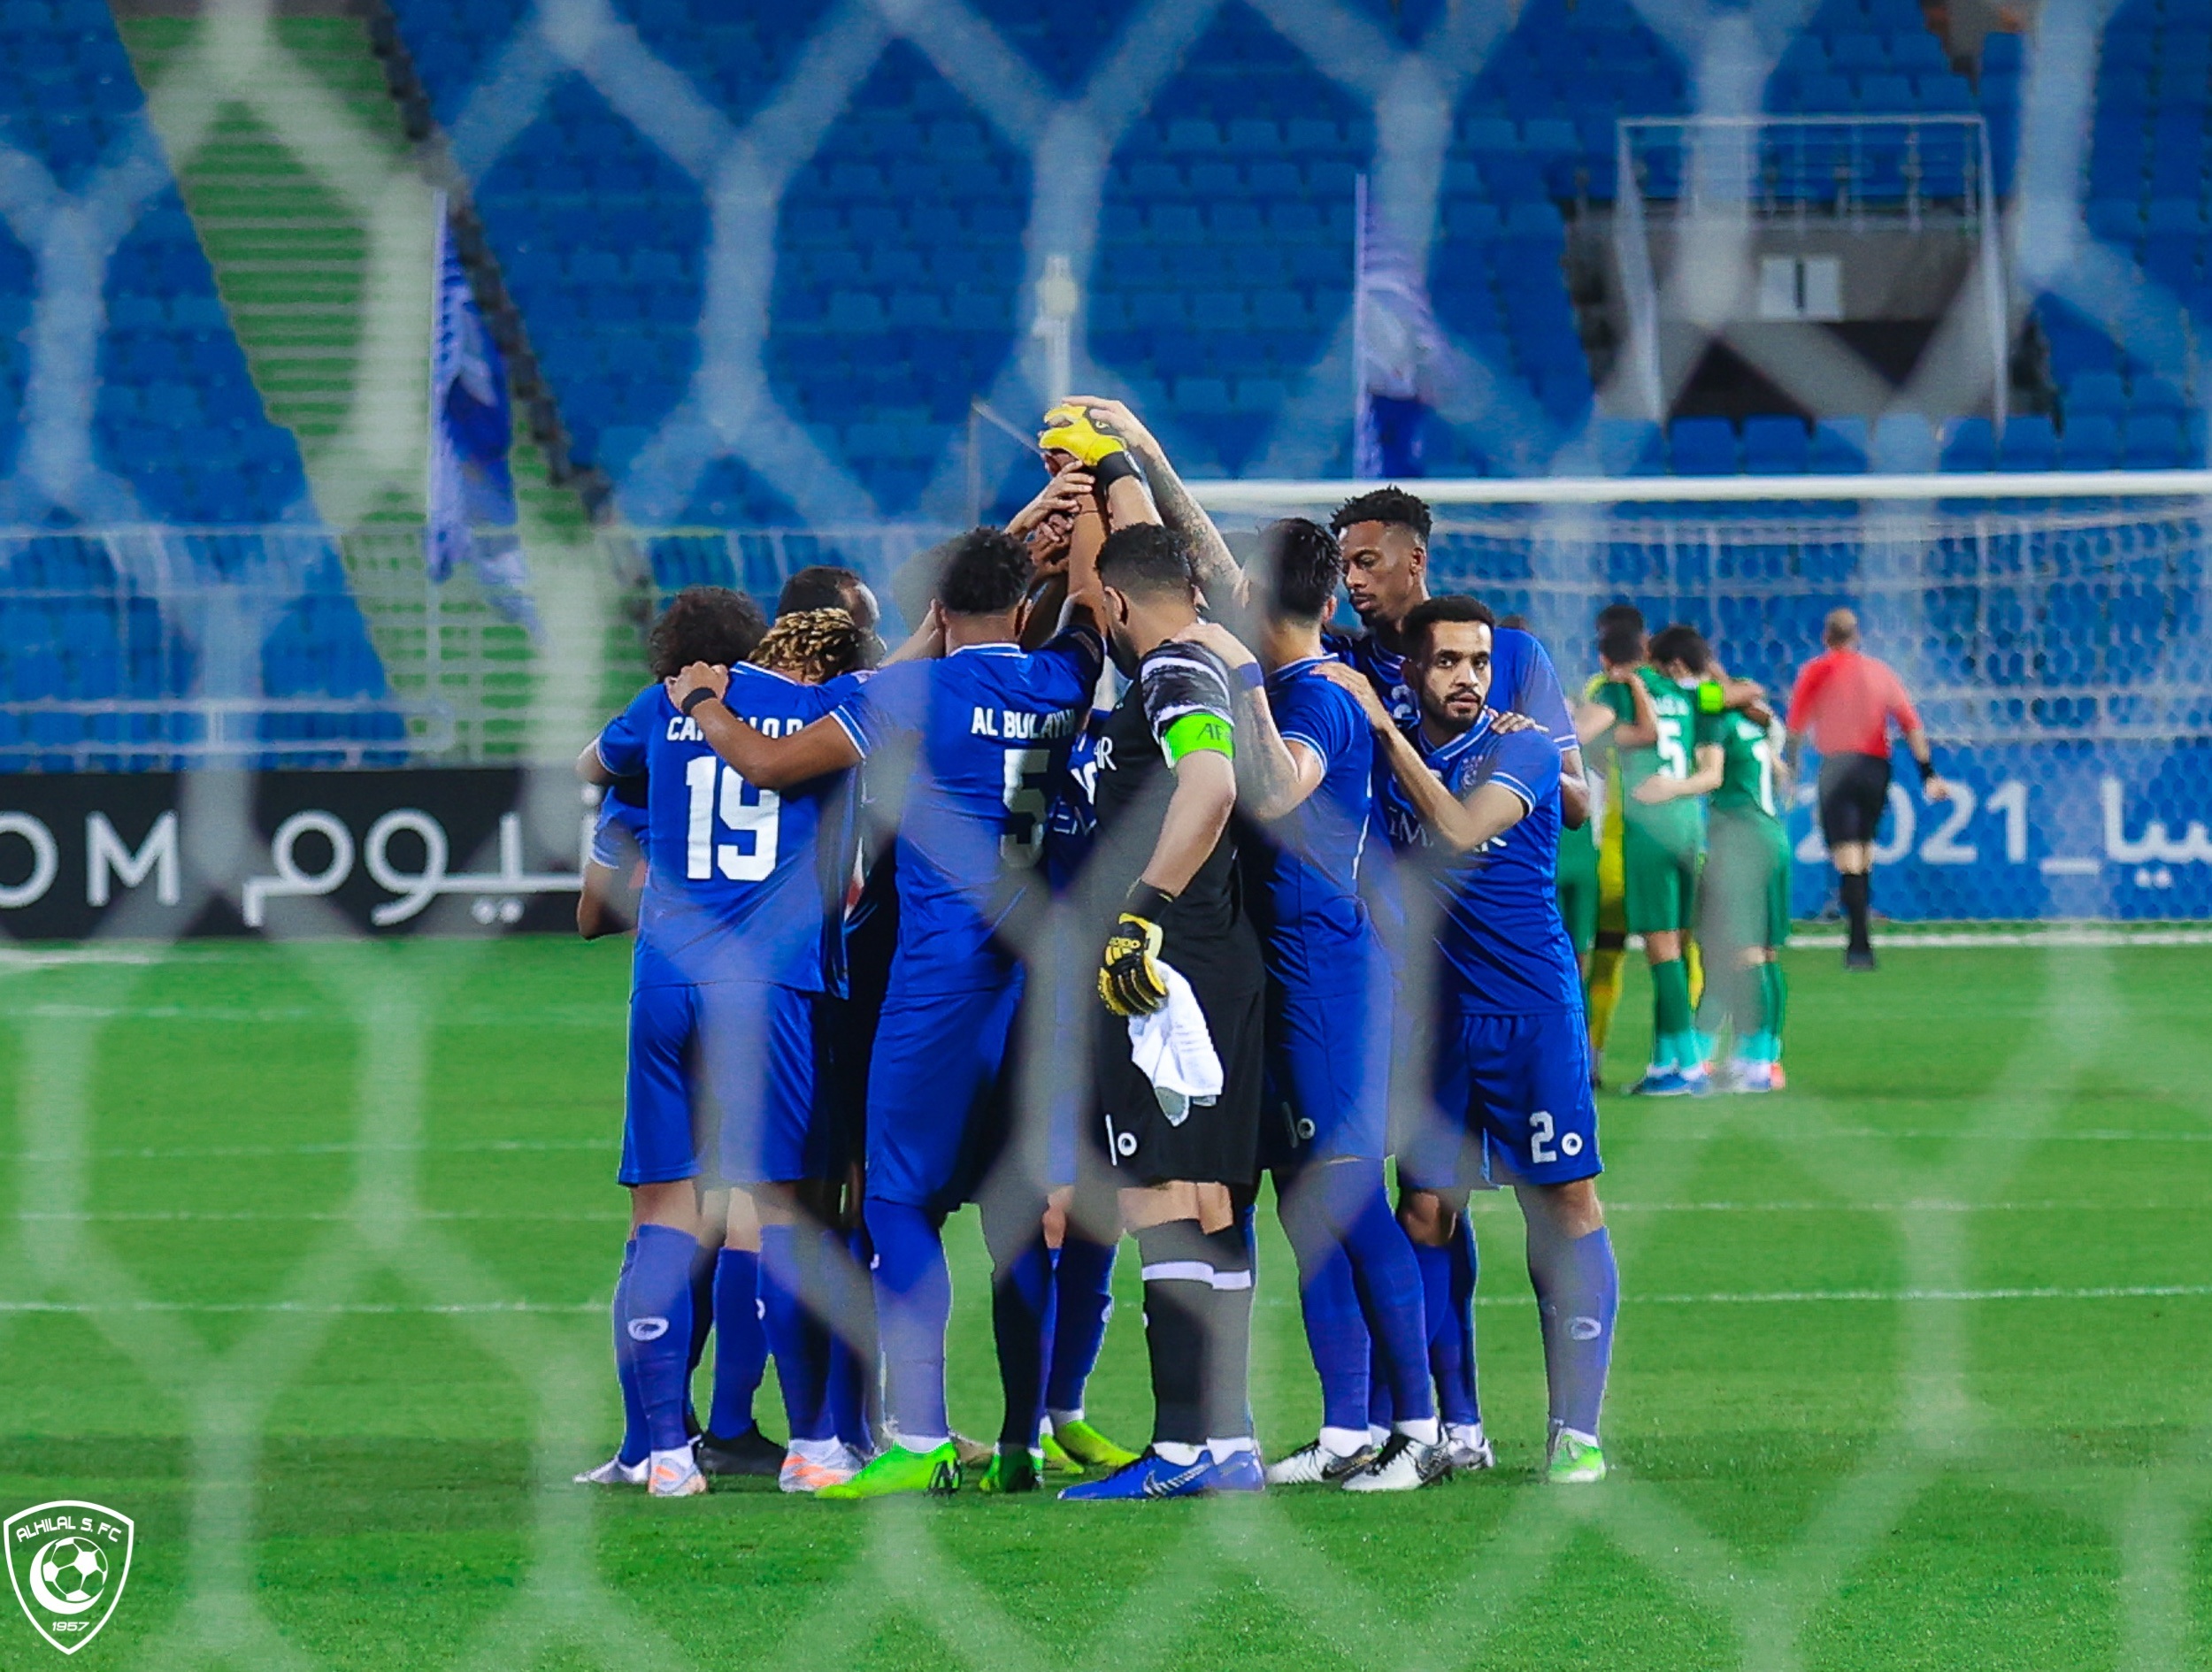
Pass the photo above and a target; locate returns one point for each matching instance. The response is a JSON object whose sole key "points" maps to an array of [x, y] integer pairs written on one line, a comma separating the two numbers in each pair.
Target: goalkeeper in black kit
{"points": [[1181, 1107]]}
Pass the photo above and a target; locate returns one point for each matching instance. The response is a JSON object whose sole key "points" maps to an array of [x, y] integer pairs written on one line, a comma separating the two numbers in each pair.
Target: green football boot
{"points": [[1015, 1471], [900, 1470], [1086, 1448], [1575, 1461]]}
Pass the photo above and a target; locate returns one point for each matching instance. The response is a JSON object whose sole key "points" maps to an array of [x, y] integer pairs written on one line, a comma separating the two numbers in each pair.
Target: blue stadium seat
{"points": [[2091, 442], [1904, 443], [1775, 445], [1702, 447], [2030, 443], [1839, 447], [1970, 444]]}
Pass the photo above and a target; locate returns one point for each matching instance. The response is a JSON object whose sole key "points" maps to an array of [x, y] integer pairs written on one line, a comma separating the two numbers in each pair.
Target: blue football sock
{"points": [[1391, 1296], [1579, 1288], [702, 1270], [653, 1306], [1465, 1395], [913, 1307], [851, 1384], [635, 1446], [794, 1333], [1328, 1297], [1446, 1345], [1021, 1297], [1335, 1330], [1381, 1411], [741, 1342], [1083, 1285]]}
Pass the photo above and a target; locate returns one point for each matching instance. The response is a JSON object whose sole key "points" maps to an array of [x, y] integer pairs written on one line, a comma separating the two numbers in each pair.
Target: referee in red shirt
{"points": [[1846, 699]]}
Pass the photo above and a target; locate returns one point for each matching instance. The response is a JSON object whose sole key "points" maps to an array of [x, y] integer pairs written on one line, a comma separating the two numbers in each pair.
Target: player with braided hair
{"points": [[812, 646]]}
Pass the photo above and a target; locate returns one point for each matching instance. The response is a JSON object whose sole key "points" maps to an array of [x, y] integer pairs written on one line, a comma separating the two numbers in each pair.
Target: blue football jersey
{"points": [[989, 723], [1071, 806], [742, 884], [1522, 678], [618, 835], [1501, 948], [1302, 871]]}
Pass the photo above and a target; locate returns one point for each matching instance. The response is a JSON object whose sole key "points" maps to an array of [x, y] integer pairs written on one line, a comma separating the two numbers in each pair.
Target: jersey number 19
{"points": [[747, 812]]}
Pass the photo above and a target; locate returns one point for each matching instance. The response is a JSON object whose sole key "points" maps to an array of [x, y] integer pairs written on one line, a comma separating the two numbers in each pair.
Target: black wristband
{"points": [[1147, 902], [1927, 770], [705, 693], [1111, 469]]}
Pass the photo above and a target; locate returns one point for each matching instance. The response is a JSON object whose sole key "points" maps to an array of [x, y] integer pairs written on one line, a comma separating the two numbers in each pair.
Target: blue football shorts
{"points": [[722, 1072], [935, 1086], [1328, 1072], [1509, 1103]]}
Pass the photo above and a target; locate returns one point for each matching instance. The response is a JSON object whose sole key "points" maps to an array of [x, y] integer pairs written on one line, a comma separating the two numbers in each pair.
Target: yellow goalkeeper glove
{"points": [[1130, 982], [1070, 429]]}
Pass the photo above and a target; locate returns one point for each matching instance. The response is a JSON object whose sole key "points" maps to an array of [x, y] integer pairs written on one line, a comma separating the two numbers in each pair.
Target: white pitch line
{"points": [[1963, 939], [1785, 1296]]}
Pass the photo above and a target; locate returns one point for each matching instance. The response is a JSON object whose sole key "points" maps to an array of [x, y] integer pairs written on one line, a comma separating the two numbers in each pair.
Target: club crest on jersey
{"points": [[67, 1560]]}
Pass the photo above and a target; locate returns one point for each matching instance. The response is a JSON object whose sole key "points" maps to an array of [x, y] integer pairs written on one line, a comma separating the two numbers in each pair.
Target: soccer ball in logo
{"points": [[73, 1569]]}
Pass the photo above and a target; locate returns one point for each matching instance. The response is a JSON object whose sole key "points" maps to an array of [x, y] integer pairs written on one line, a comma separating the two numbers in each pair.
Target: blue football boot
{"points": [[1151, 1476], [1243, 1473]]}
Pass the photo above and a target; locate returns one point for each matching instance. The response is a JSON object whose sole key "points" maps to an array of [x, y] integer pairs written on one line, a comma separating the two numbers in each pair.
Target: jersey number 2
{"points": [[748, 812]]}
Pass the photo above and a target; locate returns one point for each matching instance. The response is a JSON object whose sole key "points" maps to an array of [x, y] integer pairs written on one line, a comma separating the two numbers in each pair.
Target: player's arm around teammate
{"points": [[1509, 1085]]}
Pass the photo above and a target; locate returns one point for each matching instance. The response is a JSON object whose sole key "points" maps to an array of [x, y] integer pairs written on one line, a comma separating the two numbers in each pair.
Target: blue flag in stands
{"points": [[472, 509]]}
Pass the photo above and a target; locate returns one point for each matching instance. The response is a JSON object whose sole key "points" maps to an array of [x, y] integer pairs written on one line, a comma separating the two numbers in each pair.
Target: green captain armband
{"points": [[1196, 734], [1711, 697]]}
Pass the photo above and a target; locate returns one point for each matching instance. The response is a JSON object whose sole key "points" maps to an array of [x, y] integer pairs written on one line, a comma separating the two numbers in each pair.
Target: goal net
{"points": [[2058, 653]]}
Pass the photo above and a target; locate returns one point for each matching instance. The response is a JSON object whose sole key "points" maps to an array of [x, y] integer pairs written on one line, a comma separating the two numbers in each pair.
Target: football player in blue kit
{"points": [[729, 1231], [981, 725], [1307, 775], [736, 939], [1510, 1081], [1386, 535]]}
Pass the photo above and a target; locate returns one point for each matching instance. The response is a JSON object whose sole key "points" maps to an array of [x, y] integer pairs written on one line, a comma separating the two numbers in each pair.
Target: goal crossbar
{"points": [[1255, 494]]}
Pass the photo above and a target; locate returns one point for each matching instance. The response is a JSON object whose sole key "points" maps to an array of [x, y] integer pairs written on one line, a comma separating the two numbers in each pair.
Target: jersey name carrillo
{"points": [[683, 729]]}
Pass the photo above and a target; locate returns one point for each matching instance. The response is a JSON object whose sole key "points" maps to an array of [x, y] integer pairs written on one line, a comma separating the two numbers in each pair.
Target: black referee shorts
{"points": [[1854, 795], [1214, 1143]]}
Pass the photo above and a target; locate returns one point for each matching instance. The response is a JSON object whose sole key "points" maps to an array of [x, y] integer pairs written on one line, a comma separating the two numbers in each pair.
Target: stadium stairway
{"points": [[290, 255]]}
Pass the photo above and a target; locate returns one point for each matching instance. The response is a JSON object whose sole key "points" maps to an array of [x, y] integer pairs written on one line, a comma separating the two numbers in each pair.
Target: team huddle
{"points": [[1125, 881]]}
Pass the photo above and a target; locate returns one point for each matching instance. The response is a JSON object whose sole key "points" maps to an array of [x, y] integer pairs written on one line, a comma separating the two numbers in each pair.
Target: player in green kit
{"points": [[1663, 845], [1744, 903]]}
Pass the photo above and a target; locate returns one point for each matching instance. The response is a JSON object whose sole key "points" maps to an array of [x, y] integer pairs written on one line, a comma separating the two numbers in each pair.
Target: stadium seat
{"points": [[1904, 443], [1775, 445], [1970, 444], [1702, 447], [2030, 443]]}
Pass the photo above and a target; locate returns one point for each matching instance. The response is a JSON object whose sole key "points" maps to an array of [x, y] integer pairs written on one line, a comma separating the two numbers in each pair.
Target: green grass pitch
{"points": [[1912, 1369]]}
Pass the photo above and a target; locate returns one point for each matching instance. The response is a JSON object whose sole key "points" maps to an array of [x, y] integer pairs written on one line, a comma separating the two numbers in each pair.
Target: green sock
{"points": [[1670, 1013], [1774, 995]]}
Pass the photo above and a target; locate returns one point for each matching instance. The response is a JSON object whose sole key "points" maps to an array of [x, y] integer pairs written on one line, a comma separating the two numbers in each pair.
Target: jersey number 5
{"points": [[1024, 836], [748, 812]]}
